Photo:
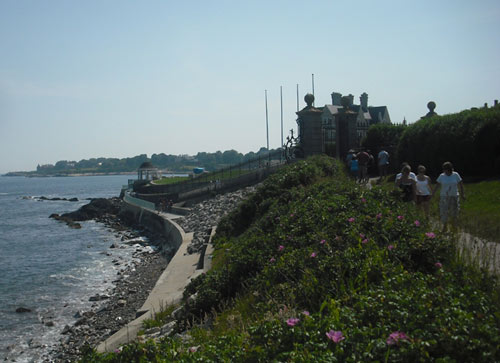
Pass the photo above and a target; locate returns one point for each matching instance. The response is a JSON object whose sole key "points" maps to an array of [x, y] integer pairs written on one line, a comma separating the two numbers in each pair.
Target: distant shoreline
{"points": [[29, 174]]}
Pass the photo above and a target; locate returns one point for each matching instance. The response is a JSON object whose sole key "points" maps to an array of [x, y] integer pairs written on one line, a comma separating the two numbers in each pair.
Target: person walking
{"points": [[354, 167], [407, 184], [423, 190], [383, 164], [452, 188], [363, 160]]}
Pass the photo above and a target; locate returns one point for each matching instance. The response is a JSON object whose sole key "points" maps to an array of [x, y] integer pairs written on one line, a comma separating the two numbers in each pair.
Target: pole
{"points": [[297, 97], [313, 85], [281, 96], [267, 124]]}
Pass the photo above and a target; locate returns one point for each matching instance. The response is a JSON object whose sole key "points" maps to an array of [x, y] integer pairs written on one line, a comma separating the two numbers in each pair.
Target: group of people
{"points": [[358, 164], [419, 188]]}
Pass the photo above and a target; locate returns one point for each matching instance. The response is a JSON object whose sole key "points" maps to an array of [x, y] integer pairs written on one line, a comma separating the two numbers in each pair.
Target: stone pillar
{"points": [[310, 128]]}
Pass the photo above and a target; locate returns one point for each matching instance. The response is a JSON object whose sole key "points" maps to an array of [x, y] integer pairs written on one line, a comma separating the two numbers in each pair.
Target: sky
{"points": [[88, 79]]}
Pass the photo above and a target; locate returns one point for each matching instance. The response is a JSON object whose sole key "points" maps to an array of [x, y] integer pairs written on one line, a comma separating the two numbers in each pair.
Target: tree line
{"points": [[174, 163]]}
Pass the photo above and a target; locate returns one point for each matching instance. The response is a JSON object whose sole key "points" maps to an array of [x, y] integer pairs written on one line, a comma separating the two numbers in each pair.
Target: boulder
{"points": [[23, 310]]}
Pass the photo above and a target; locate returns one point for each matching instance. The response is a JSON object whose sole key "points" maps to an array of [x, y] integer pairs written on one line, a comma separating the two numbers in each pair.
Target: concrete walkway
{"points": [[168, 290]]}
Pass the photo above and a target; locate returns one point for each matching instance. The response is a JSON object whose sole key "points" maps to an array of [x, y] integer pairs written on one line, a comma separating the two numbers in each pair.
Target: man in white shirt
{"points": [[451, 184]]}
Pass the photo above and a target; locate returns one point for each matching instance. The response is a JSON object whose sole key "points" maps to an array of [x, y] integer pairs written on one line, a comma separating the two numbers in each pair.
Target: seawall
{"points": [[170, 286]]}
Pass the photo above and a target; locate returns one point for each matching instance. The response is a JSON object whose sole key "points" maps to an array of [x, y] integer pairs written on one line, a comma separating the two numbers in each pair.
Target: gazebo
{"points": [[148, 171]]}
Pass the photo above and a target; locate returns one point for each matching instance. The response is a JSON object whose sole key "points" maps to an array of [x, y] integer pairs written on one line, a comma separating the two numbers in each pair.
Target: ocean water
{"points": [[48, 267]]}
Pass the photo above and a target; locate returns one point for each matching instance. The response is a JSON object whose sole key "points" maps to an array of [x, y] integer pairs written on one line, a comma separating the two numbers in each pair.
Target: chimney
{"points": [[351, 99], [336, 97], [364, 101]]}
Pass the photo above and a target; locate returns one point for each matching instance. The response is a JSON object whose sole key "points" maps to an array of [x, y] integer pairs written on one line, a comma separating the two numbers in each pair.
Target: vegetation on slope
{"points": [[314, 267]]}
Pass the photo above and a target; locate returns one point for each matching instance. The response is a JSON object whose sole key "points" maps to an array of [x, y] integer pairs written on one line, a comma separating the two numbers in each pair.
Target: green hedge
{"points": [[469, 139]]}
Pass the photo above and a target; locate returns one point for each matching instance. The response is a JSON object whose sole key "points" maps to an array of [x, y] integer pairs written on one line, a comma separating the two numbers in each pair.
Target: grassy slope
{"points": [[312, 253]]}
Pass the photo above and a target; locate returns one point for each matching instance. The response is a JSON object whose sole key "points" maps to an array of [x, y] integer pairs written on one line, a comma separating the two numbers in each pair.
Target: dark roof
{"points": [[147, 165], [375, 110]]}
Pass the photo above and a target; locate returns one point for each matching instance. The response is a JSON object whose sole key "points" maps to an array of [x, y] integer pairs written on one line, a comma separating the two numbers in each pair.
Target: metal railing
{"points": [[268, 160]]}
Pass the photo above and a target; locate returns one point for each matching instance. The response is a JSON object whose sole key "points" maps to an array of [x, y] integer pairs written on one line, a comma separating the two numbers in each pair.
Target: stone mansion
{"points": [[336, 128]]}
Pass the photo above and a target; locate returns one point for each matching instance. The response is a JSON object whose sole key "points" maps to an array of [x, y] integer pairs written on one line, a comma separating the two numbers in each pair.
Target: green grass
{"points": [[480, 213], [170, 180]]}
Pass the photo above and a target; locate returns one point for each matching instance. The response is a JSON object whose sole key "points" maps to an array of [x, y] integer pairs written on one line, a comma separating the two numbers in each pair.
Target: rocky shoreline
{"points": [[133, 284]]}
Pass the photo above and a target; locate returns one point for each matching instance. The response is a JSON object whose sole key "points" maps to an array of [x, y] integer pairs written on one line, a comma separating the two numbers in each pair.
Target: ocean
{"points": [[47, 267]]}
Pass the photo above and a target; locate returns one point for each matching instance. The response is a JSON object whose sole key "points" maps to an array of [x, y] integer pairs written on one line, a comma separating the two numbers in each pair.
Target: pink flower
{"points": [[306, 313], [365, 240], [281, 248], [362, 235], [322, 242], [395, 337], [417, 223], [401, 218], [379, 216], [438, 264], [272, 259], [430, 235], [335, 336], [352, 219], [314, 254], [337, 238], [291, 215], [292, 321], [390, 247], [363, 200]]}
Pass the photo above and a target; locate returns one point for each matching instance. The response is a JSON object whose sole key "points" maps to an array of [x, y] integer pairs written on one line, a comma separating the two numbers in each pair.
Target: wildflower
{"points": [[292, 321], [395, 337], [306, 313], [338, 238], [281, 248], [438, 264], [430, 235], [417, 223], [362, 235], [322, 242], [390, 247], [379, 216], [363, 200], [118, 350], [365, 240], [272, 259], [314, 254], [401, 218], [193, 349], [291, 215], [352, 219], [335, 336]]}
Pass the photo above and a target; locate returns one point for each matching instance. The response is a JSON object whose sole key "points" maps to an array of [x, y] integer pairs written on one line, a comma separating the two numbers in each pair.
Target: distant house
{"points": [[365, 115], [335, 128]]}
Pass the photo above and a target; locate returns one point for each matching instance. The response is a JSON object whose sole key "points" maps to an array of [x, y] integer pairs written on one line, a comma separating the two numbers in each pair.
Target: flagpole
{"points": [[313, 85], [297, 97], [281, 97], [267, 124]]}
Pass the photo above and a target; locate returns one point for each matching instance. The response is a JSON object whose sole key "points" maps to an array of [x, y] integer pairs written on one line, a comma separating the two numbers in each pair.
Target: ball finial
{"points": [[309, 98]]}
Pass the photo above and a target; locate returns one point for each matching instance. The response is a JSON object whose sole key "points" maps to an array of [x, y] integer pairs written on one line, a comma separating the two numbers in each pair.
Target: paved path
{"points": [[168, 290]]}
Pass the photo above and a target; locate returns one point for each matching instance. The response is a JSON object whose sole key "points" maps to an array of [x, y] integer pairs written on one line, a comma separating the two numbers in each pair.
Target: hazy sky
{"points": [[84, 79]]}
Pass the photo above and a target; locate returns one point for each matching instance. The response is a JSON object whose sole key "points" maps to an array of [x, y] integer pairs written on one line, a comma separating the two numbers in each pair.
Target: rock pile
{"points": [[207, 214]]}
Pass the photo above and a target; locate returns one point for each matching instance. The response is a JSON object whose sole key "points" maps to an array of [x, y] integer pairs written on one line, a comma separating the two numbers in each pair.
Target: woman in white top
{"points": [[450, 183], [423, 190]]}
